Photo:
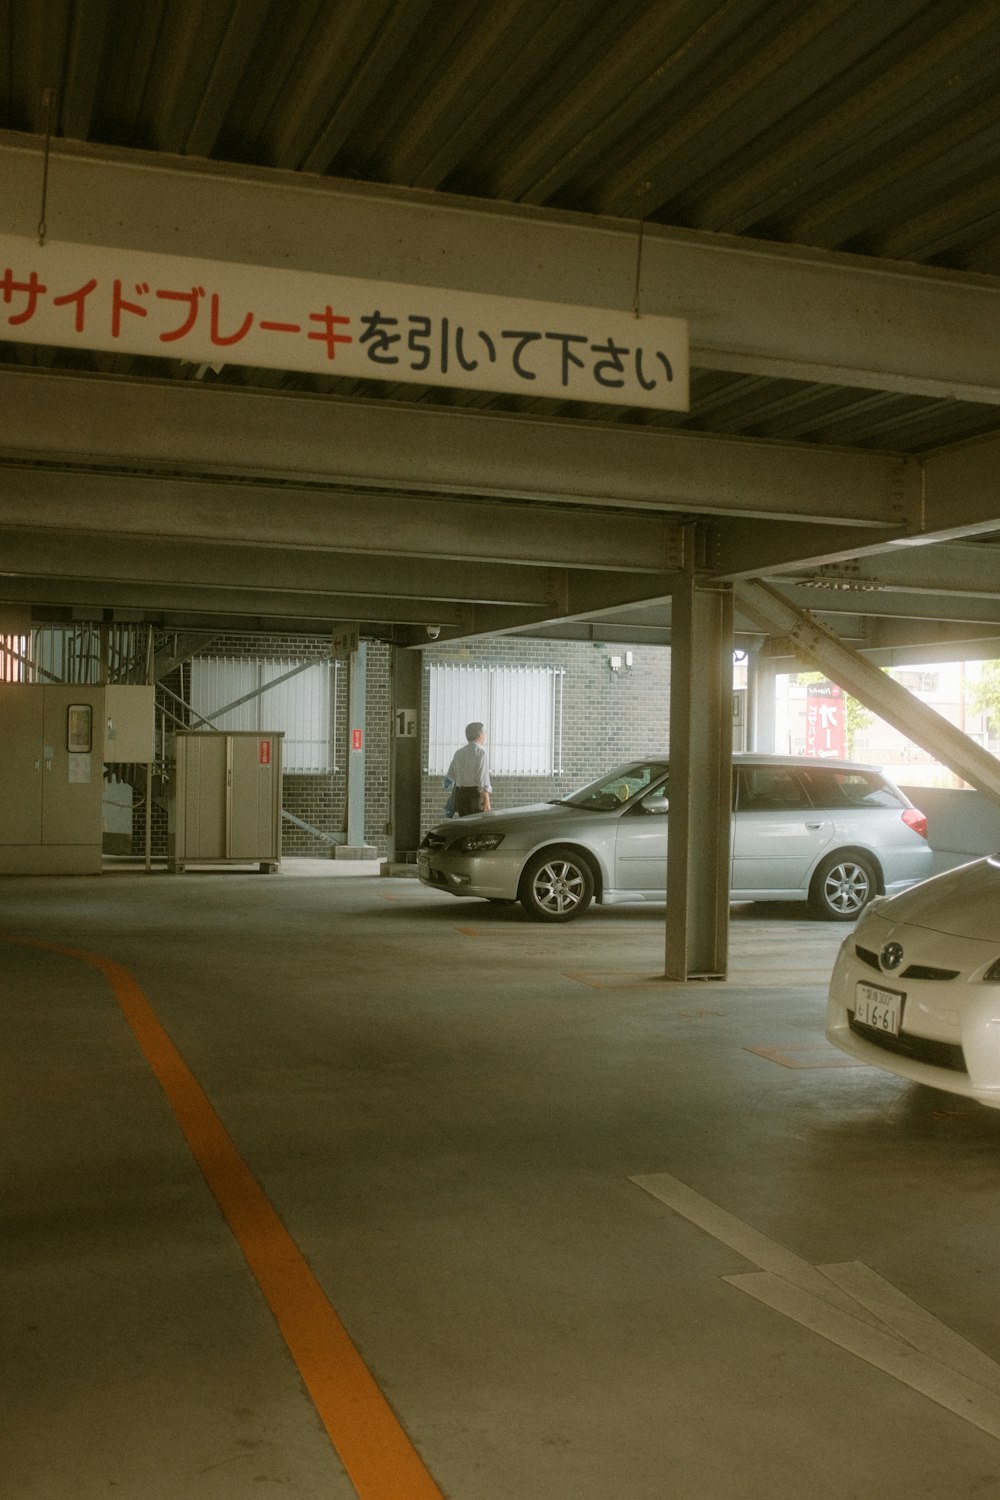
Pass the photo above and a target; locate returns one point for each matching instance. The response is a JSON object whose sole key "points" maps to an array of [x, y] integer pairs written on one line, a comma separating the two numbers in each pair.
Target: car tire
{"points": [[842, 887], [557, 886]]}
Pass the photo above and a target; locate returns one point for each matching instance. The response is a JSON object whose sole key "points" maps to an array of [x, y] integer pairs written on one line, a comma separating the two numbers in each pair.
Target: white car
{"points": [[916, 986]]}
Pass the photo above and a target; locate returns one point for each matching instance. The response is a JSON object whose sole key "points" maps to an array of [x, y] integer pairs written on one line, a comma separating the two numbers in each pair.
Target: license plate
{"points": [[423, 866], [882, 1010]]}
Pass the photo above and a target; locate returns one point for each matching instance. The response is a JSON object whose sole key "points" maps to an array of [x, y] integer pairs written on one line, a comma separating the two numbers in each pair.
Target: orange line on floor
{"points": [[379, 1458], [820, 1056]]}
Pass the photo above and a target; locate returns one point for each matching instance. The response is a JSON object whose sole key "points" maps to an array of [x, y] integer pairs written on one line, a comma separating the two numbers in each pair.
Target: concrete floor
{"points": [[447, 1106]]}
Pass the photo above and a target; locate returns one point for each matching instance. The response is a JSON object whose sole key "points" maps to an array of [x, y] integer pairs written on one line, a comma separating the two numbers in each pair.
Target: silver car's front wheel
{"points": [[557, 885], [842, 887]]}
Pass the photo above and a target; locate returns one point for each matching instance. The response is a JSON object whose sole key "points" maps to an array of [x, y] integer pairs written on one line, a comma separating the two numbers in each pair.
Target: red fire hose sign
{"points": [[355, 739], [265, 752]]}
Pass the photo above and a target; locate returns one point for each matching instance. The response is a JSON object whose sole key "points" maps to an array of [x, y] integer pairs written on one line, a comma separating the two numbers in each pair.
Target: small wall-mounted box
{"points": [[128, 723]]}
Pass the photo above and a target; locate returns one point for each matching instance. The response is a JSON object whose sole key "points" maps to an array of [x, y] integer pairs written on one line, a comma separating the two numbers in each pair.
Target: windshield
{"points": [[619, 786]]}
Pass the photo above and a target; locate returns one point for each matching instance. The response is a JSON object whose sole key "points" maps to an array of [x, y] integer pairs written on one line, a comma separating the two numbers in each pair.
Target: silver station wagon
{"points": [[833, 833]]}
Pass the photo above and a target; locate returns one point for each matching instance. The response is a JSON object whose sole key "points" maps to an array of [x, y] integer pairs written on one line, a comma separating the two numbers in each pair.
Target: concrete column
{"points": [[761, 697], [406, 686], [357, 694], [701, 755]]}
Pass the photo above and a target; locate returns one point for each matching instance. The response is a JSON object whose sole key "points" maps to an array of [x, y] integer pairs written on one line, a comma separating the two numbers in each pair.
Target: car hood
{"points": [[964, 901], [542, 815]]}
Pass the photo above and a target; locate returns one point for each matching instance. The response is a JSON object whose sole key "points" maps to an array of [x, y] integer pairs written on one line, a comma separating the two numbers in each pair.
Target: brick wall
{"points": [[608, 716], [319, 800]]}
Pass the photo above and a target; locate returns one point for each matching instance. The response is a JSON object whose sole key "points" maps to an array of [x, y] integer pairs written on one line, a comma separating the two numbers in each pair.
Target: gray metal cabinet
{"points": [[225, 806], [51, 779], [54, 741]]}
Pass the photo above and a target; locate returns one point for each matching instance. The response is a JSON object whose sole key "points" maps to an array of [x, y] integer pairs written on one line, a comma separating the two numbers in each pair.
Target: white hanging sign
{"points": [[216, 313]]}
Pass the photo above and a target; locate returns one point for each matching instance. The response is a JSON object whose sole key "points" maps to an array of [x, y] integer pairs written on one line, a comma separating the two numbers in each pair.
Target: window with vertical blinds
{"points": [[520, 706], [293, 697], [13, 658]]}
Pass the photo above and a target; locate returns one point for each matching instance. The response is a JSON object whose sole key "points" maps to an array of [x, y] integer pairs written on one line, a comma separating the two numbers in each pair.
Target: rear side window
{"points": [[770, 789], [848, 789]]}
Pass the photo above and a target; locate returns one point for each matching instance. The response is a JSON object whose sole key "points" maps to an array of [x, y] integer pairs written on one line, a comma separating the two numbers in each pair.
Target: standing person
{"points": [[470, 771]]}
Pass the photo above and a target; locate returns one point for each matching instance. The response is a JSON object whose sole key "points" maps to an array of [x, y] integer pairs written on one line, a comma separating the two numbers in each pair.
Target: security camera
{"points": [[433, 631]]}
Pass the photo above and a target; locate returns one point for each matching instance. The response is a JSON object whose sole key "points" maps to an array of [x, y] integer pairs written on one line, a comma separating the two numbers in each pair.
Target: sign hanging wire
{"points": [[47, 99], [643, 190]]}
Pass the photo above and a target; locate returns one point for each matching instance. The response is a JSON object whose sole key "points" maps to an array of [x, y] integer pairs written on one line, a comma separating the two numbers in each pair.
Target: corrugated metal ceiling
{"points": [[837, 124]]}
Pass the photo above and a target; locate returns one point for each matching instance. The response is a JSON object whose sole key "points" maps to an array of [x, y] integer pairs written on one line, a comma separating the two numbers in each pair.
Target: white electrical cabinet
{"points": [[54, 740], [225, 807]]}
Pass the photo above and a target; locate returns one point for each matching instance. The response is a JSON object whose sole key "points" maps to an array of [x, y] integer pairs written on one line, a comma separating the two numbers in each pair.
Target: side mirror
{"points": [[656, 804]]}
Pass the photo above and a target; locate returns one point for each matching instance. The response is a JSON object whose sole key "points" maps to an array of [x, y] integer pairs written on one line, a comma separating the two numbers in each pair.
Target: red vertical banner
{"points": [[264, 752], [825, 729], [355, 739]]}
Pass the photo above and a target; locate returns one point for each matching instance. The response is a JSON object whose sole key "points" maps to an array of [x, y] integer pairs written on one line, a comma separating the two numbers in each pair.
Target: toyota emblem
{"points": [[891, 956]]}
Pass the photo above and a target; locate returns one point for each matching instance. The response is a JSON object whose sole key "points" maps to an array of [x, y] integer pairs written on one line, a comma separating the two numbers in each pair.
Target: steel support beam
{"points": [[356, 752], [701, 752], [764, 309], [738, 548], [961, 485], [964, 570], [210, 565], [378, 524], [406, 697], [762, 674], [255, 606], [581, 596], [817, 645], [175, 653], [213, 430], [876, 609]]}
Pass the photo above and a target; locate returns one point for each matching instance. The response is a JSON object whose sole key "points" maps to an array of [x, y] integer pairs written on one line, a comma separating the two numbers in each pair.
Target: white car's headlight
{"points": [[478, 843]]}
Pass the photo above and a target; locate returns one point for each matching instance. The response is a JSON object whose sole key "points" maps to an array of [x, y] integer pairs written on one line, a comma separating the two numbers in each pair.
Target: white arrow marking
{"points": [[853, 1307]]}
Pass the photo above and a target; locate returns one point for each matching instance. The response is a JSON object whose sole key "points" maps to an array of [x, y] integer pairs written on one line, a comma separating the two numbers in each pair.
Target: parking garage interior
{"points": [[321, 1183]]}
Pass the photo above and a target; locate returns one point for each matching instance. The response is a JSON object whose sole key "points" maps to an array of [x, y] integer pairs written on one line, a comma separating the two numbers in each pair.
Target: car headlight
{"points": [[478, 843]]}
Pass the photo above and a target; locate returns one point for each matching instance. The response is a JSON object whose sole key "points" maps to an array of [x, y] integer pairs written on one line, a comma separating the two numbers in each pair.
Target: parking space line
{"points": [[819, 1056], [379, 1458], [853, 1307]]}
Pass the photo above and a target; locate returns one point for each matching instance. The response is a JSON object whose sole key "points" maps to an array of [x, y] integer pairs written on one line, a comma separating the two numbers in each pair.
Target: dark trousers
{"points": [[468, 799]]}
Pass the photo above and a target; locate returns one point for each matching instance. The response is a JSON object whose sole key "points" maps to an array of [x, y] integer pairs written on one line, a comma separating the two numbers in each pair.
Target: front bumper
{"points": [[949, 1037], [467, 874]]}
